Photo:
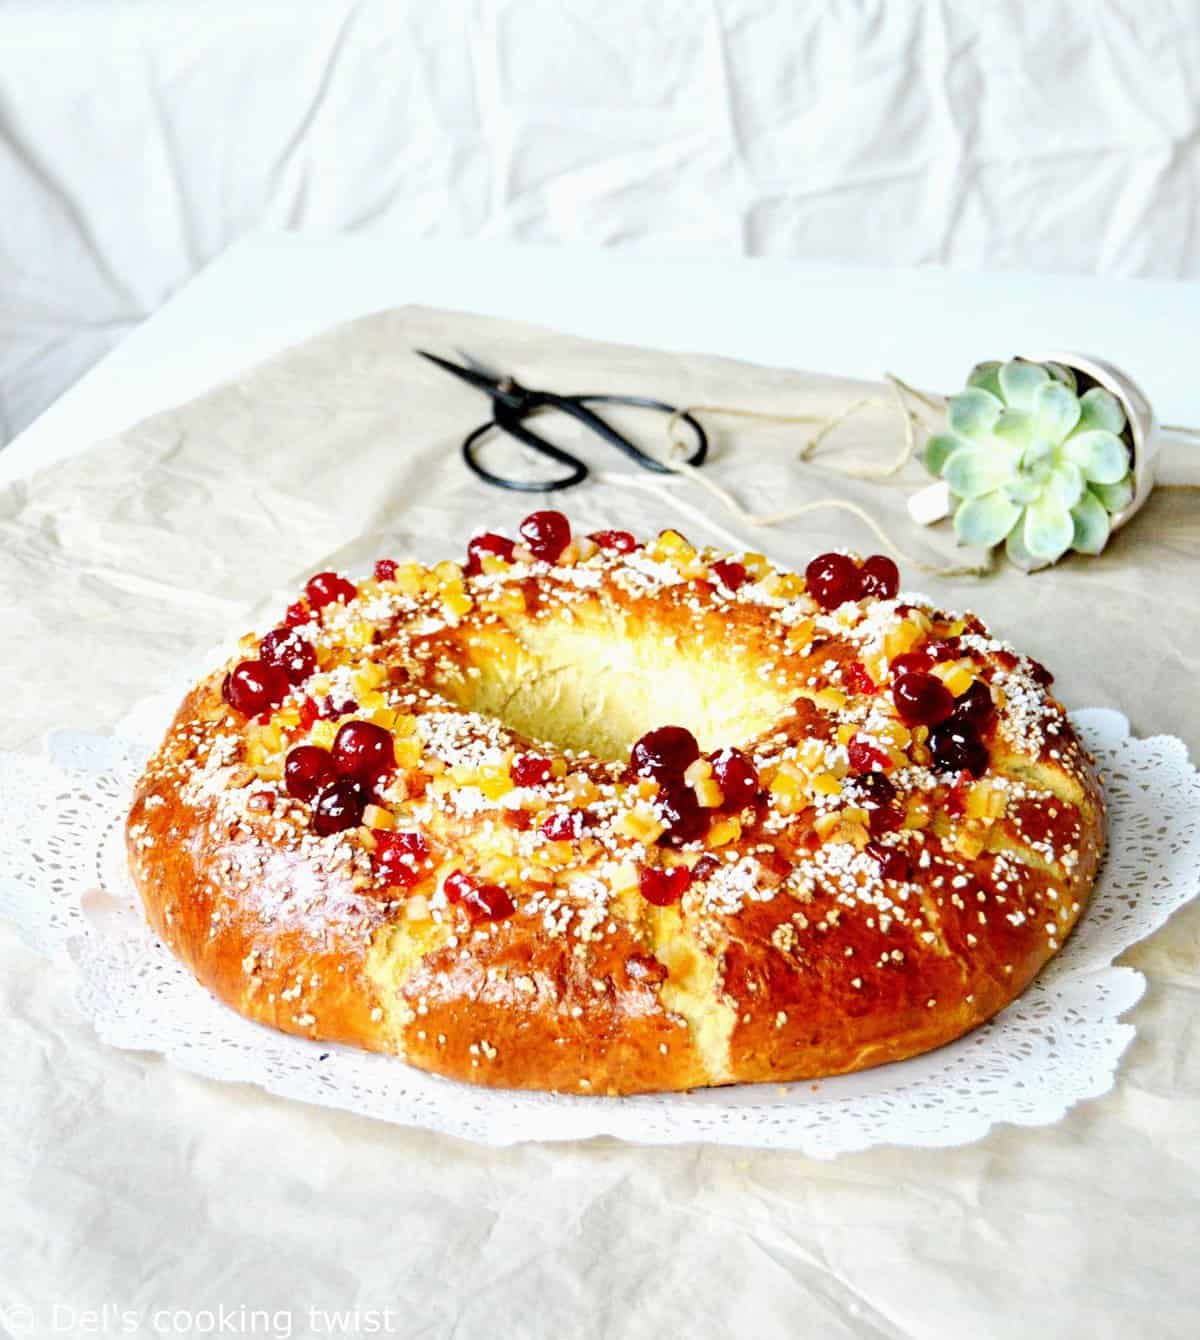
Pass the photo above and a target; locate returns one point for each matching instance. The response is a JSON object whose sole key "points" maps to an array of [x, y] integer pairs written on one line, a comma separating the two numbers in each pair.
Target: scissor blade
{"points": [[476, 366], [480, 380]]}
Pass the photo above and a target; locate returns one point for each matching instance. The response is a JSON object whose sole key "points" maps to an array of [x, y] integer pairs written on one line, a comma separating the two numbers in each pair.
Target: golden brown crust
{"points": [[788, 957]]}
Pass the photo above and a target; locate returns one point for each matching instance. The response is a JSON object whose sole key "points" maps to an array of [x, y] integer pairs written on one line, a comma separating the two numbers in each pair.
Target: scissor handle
{"points": [[577, 406], [511, 423]]}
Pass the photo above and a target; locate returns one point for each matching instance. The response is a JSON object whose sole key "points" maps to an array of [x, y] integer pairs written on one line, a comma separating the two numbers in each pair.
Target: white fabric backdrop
{"points": [[138, 138]]}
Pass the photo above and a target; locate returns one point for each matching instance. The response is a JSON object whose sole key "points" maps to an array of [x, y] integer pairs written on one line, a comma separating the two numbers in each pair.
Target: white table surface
{"points": [[927, 325]]}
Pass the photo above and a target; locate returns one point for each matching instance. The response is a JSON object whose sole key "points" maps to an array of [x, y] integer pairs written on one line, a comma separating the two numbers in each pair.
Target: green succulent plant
{"points": [[1032, 462]]}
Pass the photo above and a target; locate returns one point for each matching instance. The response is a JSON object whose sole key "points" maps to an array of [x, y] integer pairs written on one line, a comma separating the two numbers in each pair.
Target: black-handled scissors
{"points": [[512, 403]]}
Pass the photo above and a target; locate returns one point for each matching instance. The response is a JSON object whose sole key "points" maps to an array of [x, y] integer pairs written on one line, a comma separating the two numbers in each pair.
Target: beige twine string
{"points": [[912, 424]]}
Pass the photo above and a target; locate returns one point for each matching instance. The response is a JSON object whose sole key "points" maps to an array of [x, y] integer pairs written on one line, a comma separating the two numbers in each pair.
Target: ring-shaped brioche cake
{"points": [[602, 817]]}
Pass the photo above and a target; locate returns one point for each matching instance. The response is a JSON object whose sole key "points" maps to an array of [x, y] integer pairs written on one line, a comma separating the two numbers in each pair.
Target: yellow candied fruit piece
{"points": [[969, 841], [956, 629], [877, 667], [899, 758], [322, 733], [404, 724], [846, 732], [624, 877], [985, 801], [956, 675], [801, 634], [756, 565], [370, 702], [789, 792], [556, 855], [581, 790], [724, 831], [921, 619], [370, 676], [447, 572], [385, 717], [830, 699], [825, 824], [494, 782], [645, 788], [456, 603], [709, 794], [673, 545], [375, 816], [558, 767], [417, 908], [409, 578], [640, 824], [500, 868], [895, 732], [287, 716], [408, 752], [494, 566], [360, 633], [903, 638], [825, 785], [700, 770], [812, 754]]}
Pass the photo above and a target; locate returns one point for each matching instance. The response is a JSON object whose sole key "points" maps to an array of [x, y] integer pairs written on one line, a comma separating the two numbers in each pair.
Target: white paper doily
{"points": [[63, 884]]}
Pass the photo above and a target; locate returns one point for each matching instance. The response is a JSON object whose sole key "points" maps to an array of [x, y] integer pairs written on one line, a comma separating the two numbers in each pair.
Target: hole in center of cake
{"points": [[598, 686]]}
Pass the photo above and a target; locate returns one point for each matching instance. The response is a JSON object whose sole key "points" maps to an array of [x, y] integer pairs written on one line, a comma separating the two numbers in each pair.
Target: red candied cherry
{"points": [[922, 699], [909, 661], [866, 757], [306, 770], [880, 577], [339, 806], [957, 750], [664, 753], [679, 809], [328, 587], [309, 712], [562, 826], [736, 776], [297, 613], [483, 902], [293, 654], [883, 815], [498, 546], [731, 575], [398, 857], [974, 709], [664, 888], [857, 679], [385, 570], [252, 687], [489, 902], [362, 749], [832, 579], [531, 770], [618, 540], [893, 864], [547, 534]]}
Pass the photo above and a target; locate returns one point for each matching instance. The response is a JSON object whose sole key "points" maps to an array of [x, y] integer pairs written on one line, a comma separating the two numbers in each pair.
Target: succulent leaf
{"points": [[938, 451], [1092, 526], [985, 520], [973, 471], [1048, 529], [973, 413], [1020, 380], [987, 377], [1115, 497], [1061, 373], [1056, 410], [1065, 484], [1102, 456], [1101, 409], [1018, 555]]}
